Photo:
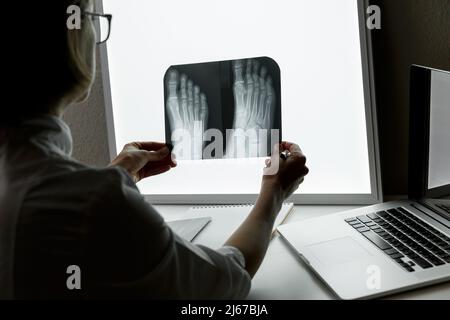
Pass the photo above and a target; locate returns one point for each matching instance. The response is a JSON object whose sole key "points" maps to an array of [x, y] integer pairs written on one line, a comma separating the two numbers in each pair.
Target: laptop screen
{"points": [[439, 152], [429, 148]]}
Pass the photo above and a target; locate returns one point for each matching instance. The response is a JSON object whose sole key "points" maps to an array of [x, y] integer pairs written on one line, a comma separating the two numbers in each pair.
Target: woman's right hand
{"points": [[281, 178], [284, 176]]}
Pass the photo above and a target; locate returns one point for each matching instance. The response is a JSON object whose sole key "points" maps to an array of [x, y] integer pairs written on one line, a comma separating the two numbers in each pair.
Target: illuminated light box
{"points": [[321, 49]]}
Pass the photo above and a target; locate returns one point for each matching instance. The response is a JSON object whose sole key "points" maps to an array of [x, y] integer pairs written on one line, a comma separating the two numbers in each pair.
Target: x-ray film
{"points": [[225, 109]]}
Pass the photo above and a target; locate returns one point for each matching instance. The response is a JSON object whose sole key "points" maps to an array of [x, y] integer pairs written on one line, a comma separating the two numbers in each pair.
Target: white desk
{"points": [[282, 275]]}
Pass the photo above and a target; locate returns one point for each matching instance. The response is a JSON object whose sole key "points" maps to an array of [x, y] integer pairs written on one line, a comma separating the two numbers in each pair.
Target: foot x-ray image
{"points": [[226, 109]]}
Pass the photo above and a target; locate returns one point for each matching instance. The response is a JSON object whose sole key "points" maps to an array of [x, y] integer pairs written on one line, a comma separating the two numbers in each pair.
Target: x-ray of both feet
{"points": [[255, 102], [187, 109], [249, 131]]}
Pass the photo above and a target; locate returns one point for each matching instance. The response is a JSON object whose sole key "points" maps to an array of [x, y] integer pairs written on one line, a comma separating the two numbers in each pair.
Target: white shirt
{"points": [[56, 212]]}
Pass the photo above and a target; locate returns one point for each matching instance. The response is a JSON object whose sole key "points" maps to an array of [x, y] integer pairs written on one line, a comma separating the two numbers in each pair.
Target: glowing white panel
{"points": [[317, 46], [439, 153]]}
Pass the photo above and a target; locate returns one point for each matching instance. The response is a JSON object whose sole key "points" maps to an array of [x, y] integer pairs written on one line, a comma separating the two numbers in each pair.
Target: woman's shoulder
{"points": [[82, 183], [84, 196], [98, 177]]}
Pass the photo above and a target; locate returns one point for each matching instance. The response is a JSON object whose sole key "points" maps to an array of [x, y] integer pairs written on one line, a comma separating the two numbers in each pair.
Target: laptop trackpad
{"points": [[338, 251]]}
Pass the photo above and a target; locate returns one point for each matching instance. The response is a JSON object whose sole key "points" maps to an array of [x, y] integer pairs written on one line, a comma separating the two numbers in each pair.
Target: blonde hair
{"points": [[78, 50]]}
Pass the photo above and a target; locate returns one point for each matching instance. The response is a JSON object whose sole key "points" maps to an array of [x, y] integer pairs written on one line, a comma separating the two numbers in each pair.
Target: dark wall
{"points": [[413, 32]]}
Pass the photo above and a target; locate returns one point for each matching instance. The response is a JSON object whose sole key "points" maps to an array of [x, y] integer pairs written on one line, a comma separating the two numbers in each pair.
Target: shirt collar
{"points": [[50, 133]]}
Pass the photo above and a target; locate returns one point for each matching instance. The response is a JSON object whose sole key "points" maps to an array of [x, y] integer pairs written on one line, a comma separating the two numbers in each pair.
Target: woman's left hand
{"points": [[145, 159]]}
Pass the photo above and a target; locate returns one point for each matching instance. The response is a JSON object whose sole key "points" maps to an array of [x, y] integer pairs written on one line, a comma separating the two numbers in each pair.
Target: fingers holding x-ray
{"points": [[187, 111]]}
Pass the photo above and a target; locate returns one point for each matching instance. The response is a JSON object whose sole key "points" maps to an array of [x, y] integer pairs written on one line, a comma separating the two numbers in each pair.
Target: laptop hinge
{"points": [[445, 223]]}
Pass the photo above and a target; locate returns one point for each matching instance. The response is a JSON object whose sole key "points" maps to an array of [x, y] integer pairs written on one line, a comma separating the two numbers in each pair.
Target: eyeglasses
{"points": [[102, 24]]}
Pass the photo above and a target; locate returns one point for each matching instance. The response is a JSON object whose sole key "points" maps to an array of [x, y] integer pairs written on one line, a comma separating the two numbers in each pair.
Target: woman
{"points": [[57, 213]]}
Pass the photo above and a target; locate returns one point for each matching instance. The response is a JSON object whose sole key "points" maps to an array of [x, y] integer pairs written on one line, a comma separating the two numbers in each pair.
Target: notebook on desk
{"points": [[199, 217], [188, 228]]}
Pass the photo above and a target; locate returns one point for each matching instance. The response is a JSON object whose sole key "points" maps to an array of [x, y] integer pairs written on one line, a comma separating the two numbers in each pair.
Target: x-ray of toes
{"points": [[225, 109]]}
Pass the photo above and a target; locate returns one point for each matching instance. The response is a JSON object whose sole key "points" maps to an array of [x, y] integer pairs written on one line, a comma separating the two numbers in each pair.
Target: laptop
{"points": [[395, 246]]}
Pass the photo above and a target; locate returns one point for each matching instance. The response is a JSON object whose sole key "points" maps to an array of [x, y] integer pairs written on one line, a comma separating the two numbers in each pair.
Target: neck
{"points": [[59, 108]]}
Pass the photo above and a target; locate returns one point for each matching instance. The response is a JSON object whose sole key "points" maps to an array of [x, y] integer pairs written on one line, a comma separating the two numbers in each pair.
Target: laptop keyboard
{"points": [[406, 239], [444, 207]]}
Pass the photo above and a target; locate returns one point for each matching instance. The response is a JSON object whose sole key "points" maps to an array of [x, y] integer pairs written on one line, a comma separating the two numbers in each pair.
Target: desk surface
{"points": [[283, 275]]}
